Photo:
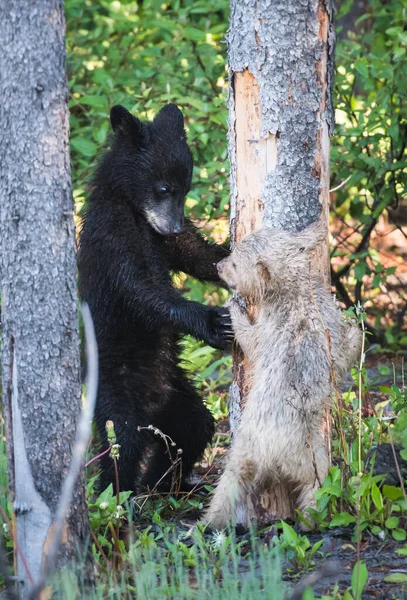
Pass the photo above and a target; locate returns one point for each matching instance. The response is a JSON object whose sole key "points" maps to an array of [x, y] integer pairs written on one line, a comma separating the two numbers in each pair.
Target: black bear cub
{"points": [[133, 236]]}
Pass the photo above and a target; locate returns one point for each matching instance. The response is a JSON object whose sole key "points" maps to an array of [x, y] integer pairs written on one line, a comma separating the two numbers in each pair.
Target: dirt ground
{"points": [[380, 558]]}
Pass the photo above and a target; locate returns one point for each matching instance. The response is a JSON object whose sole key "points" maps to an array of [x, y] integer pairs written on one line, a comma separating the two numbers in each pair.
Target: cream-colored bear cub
{"points": [[298, 346]]}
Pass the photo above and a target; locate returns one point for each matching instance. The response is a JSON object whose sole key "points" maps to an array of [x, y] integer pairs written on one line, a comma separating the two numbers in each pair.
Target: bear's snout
{"points": [[221, 267], [178, 228]]}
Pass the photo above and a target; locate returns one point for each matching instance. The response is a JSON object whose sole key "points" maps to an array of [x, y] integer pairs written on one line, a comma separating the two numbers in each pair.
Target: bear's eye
{"points": [[163, 189]]}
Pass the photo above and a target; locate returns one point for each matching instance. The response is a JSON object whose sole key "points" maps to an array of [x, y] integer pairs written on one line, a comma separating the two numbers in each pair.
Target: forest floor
{"points": [[387, 570], [166, 520]]}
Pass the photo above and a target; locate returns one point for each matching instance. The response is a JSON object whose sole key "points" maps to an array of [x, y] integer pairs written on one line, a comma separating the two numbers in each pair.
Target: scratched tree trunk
{"points": [[280, 117], [40, 343]]}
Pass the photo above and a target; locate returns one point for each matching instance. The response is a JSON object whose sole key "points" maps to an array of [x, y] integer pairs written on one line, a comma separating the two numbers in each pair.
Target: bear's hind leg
{"points": [[187, 421], [313, 477], [114, 404], [240, 481], [221, 511]]}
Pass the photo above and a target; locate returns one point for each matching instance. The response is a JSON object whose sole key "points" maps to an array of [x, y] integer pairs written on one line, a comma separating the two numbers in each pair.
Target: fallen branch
{"points": [[82, 439]]}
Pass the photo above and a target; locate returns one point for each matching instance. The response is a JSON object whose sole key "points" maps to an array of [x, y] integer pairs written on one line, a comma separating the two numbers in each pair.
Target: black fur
{"points": [[125, 260]]}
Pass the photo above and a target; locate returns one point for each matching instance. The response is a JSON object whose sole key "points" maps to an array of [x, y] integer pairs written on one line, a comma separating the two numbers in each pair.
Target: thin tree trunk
{"points": [[280, 119], [40, 342]]}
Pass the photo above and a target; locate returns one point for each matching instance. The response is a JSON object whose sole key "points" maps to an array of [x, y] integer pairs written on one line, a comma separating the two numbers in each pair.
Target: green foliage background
{"points": [[144, 54]]}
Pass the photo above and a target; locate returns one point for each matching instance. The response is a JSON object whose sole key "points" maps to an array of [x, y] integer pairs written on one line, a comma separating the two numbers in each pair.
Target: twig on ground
{"points": [[151, 493], [82, 439]]}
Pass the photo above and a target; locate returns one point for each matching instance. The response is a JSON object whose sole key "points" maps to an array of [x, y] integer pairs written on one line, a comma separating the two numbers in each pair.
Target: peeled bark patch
{"points": [[280, 118]]}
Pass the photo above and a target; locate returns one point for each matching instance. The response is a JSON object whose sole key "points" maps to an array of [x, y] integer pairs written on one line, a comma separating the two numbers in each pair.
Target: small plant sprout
{"points": [[112, 440]]}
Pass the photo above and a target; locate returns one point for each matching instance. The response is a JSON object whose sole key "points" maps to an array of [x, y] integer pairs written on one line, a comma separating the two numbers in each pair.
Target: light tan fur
{"points": [[298, 346]]}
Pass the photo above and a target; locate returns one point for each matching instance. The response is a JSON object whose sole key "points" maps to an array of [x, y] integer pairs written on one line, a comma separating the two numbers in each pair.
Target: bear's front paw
{"points": [[220, 332]]}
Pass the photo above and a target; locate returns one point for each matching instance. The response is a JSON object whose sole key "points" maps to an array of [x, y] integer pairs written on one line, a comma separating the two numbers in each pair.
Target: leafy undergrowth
{"points": [[153, 546]]}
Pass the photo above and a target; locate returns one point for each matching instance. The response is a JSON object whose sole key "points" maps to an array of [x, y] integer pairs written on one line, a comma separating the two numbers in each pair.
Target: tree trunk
{"points": [[40, 342], [280, 118]]}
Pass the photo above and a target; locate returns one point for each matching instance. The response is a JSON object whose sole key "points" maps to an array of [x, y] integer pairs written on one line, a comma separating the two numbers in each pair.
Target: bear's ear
{"points": [[310, 237], [123, 122], [170, 117], [263, 270]]}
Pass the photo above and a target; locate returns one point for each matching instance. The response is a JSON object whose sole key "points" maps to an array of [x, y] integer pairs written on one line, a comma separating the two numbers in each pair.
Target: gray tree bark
{"points": [[40, 342], [281, 56]]}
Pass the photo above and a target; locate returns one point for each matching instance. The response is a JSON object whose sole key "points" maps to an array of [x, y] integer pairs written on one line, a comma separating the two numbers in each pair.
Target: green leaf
{"points": [[195, 103], [359, 579], [316, 547], [377, 497], [360, 270], [209, 370], [332, 490], [396, 578], [362, 68], [375, 529], [308, 594], [106, 495], [289, 534], [399, 534], [342, 519], [96, 101], [392, 522], [194, 34], [393, 132], [84, 146], [101, 133], [400, 52], [124, 496], [363, 18]]}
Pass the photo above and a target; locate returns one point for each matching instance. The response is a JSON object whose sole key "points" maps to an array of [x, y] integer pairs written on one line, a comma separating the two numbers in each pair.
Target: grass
{"points": [[159, 563]]}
